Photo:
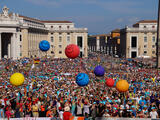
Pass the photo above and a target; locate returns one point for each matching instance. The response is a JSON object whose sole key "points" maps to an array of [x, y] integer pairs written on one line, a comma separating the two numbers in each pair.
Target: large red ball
{"points": [[72, 51], [110, 82]]}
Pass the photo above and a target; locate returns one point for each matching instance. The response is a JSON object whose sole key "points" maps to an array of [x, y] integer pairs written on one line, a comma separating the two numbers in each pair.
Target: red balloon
{"points": [[110, 82], [72, 51]]}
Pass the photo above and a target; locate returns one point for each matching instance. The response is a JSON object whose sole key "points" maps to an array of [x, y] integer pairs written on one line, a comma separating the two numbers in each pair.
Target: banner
{"points": [[27, 118], [78, 118]]}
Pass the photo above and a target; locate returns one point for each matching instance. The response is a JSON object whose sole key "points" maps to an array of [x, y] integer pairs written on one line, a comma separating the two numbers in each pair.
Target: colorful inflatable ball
{"points": [[44, 45], [72, 51], [122, 86], [82, 79], [17, 79], [110, 82], [99, 71]]}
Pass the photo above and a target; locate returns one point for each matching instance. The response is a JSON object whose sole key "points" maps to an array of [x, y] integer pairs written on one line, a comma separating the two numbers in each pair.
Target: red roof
{"points": [[147, 21]]}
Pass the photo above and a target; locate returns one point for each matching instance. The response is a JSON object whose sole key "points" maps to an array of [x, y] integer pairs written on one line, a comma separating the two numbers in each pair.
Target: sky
{"points": [[99, 16]]}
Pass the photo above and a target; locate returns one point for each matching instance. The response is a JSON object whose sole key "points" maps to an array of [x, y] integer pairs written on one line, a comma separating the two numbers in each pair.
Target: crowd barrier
{"points": [[78, 118]]}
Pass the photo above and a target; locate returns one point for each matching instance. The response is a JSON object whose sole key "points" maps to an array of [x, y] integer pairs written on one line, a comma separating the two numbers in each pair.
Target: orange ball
{"points": [[122, 86]]}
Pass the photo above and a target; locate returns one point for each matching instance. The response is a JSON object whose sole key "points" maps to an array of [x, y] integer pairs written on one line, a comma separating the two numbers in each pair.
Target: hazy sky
{"points": [[99, 16]]}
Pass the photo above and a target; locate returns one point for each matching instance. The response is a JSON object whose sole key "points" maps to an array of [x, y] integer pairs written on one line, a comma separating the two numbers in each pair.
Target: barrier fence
{"points": [[78, 118]]}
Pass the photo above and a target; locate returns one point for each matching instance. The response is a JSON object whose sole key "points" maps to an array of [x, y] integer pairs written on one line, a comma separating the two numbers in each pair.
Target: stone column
{"points": [[98, 43], [0, 47], [18, 46], [13, 46], [9, 50]]}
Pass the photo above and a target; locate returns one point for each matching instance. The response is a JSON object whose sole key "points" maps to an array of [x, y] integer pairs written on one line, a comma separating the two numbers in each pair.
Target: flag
{"points": [[153, 79], [36, 61]]}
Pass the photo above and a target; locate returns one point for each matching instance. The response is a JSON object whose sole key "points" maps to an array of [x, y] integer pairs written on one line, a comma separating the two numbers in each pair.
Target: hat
{"points": [[153, 108], [145, 106], [66, 109], [60, 108], [114, 108], [133, 106]]}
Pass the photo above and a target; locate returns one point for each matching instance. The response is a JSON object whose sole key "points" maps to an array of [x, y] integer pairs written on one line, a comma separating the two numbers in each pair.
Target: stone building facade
{"points": [[20, 36], [139, 40]]}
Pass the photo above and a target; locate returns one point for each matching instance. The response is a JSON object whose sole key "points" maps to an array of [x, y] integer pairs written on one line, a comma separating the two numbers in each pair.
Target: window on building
{"points": [[60, 38], [51, 26], [145, 38], [68, 38], [153, 39], [145, 46], [60, 52], [80, 41], [60, 46], [153, 26], [20, 46], [51, 39], [51, 33], [20, 54], [51, 46], [145, 52], [68, 33], [153, 52], [153, 46], [60, 27], [67, 27], [134, 41], [20, 37], [52, 52], [145, 26]]}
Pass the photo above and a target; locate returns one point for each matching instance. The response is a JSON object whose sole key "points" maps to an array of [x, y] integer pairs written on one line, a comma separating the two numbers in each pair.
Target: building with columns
{"points": [[99, 43], [20, 36], [139, 40]]}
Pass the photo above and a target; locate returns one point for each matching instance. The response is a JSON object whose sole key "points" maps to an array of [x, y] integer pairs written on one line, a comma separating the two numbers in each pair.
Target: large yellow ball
{"points": [[122, 86], [17, 79]]}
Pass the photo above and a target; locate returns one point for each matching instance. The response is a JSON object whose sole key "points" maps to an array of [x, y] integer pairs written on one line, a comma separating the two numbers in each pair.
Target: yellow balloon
{"points": [[17, 79]]}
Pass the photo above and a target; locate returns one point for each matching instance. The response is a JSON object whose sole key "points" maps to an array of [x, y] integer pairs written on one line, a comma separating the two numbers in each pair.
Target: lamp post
{"points": [[158, 37]]}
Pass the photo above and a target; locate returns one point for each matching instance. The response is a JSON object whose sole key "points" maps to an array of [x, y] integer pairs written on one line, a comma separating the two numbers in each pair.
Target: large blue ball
{"points": [[44, 45], [99, 71], [82, 79]]}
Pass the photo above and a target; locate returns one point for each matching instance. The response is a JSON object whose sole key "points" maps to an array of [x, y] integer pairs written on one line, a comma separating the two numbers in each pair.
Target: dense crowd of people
{"points": [[50, 89]]}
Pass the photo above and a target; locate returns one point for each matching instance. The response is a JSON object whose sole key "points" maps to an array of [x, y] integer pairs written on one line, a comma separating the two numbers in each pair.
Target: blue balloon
{"points": [[82, 79], [44, 45], [99, 71]]}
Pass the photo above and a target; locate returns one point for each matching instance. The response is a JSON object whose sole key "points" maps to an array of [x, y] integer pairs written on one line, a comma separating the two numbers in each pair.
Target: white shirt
{"points": [[122, 107], [153, 114], [86, 109], [2, 101], [61, 115], [58, 105]]}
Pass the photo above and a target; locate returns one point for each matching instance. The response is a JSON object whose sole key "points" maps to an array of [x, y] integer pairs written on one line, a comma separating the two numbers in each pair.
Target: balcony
{"points": [[68, 30], [141, 29]]}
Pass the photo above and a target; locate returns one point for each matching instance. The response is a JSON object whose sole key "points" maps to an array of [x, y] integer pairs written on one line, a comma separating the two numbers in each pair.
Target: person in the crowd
{"points": [[153, 113], [67, 115]]}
